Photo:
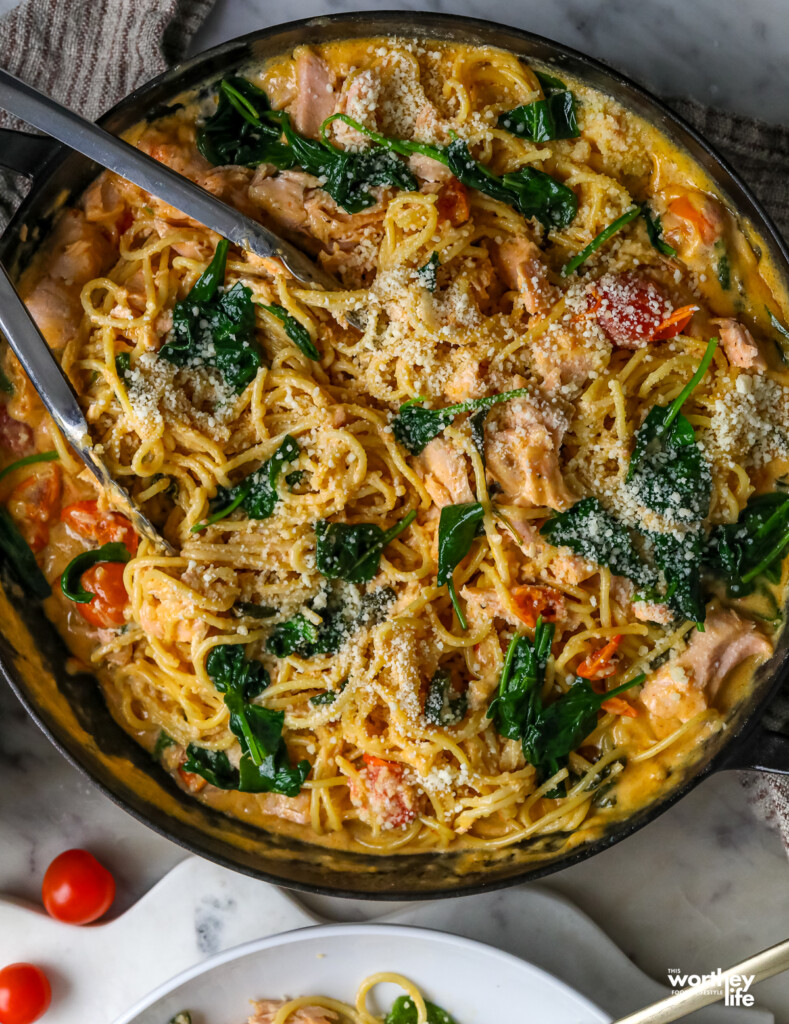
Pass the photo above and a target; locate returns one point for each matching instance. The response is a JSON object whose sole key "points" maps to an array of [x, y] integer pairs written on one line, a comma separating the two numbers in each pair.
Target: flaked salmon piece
{"points": [[181, 154], [282, 198], [230, 184], [523, 438], [315, 95], [486, 663], [466, 381], [289, 808], [82, 251], [16, 436], [653, 611], [683, 687], [571, 569], [520, 264], [568, 354], [511, 757], [428, 169], [445, 473], [382, 794], [359, 101], [266, 1011], [739, 345], [167, 614]]}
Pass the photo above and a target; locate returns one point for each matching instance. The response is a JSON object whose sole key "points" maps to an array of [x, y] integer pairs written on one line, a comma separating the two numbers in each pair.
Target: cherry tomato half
{"points": [[105, 580], [25, 994], [85, 518], [76, 888]]}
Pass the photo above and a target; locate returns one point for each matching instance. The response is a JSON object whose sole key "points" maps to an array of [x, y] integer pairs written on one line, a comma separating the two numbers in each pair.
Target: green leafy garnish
{"points": [[592, 532], [184, 1017], [20, 559], [352, 552], [753, 547], [531, 192], [5, 382], [163, 741], [518, 700], [616, 225], [403, 1011], [294, 479], [415, 426], [238, 132], [329, 697], [264, 765], [784, 332], [679, 559], [547, 119], [213, 328], [254, 611], [443, 706], [667, 471], [655, 232], [296, 331], [561, 727], [427, 274], [122, 364], [213, 765], [29, 460], [457, 528], [723, 271], [257, 493], [341, 617], [70, 581]]}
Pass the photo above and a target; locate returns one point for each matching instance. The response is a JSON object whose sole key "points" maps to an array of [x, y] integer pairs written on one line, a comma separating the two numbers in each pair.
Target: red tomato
{"points": [[32, 503], [76, 888], [85, 519], [105, 580], [533, 602], [452, 203], [630, 308], [25, 994]]}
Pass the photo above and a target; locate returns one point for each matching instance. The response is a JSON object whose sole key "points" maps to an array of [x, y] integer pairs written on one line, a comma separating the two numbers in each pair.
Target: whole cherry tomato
{"points": [[105, 580], [25, 994], [76, 888]]}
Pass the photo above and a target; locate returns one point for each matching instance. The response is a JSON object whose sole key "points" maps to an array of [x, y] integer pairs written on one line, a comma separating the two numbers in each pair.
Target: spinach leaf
{"points": [[477, 424], [5, 383], [216, 329], [667, 471], [600, 239], [341, 617], [531, 192], [122, 364], [20, 560], [655, 232], [679, 558], [294, 479], [296, 331], [781, 346], [257, 493], [238, 132], [254, 611], [753, 547], [70, 581], [29, 460], [403, 1011], [212, 765], [264, 765], [163, 742], [353, 552], [457, 528], [427, 274], [414, 426], [547, 119], [518, 700], [442, 706], [329, 697], [563, 725], [592, 532], [723, 271]]}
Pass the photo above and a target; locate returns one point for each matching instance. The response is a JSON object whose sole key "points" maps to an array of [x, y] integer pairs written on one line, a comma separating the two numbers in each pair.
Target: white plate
{"points": [[477, 984]]}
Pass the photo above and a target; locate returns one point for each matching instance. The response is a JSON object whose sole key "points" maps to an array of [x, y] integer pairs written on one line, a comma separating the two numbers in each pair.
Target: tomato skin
{"points": [[452, 203], [105, 580], [629, 308], [25, 994], [77, 889], [32, 503], [104, 527]]}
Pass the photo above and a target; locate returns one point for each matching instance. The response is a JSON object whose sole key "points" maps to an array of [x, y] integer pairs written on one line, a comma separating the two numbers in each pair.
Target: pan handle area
{"points": [[763, 751], [25, 153]]}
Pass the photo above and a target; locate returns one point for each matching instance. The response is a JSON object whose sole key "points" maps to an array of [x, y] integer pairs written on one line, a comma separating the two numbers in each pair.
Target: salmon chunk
{"points": [[315, 95], [383, 795], [266, 1011], [521, 266], [445, 473], [739, 345]]}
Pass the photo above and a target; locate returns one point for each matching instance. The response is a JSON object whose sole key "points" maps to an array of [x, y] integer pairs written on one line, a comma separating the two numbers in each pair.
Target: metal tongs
{"points": [[105, 149]]}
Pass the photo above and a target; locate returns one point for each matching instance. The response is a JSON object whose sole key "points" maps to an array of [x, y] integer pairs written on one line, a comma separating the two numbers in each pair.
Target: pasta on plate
{"points": [[488, 569]]}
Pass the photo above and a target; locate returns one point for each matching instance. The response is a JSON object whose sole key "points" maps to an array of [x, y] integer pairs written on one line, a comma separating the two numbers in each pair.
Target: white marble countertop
{"points": [[703, 886]]}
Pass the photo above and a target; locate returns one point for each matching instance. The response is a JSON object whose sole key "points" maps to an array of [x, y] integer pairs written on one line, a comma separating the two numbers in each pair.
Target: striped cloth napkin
{"points": [[90, 53]]}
